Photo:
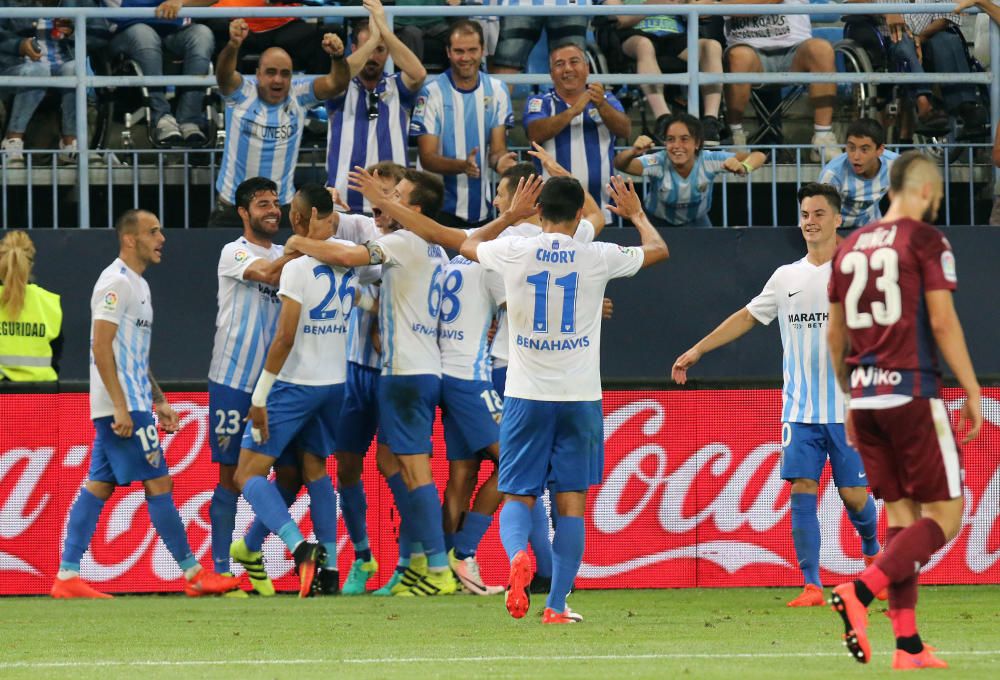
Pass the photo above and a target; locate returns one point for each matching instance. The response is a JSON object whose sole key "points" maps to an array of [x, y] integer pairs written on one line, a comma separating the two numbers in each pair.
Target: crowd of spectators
{"points": [[458, 119]]}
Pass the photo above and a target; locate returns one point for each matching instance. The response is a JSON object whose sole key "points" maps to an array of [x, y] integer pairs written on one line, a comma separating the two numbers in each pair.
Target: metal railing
{"points": [[693, 79]]}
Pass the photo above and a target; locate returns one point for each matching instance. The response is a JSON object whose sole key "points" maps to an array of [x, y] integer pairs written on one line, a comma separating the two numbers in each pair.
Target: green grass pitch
{"points": [[731, 634]]}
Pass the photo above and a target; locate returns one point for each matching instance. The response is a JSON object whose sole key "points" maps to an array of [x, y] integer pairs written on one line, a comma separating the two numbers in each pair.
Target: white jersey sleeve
{"points": [[245, 321], [235, 259], [620, 261], [326, 297], [358, 229], [764, 307]]}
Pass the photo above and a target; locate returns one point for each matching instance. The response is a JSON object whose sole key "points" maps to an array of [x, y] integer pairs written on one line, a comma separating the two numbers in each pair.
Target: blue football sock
{"points": [[258, 531], [473, 529], [541, 544], [805, 535], [567, 553], [80, 529], [449, 541], [222, 514], [425, 507], [866, 524], [515, 525], [169, 525], [354, 508], [401, 495], [323, 509], [270, 509]]}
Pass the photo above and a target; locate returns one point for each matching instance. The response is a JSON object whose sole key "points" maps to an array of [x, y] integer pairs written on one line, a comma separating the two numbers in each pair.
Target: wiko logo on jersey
{"points": [[872, 376], [880, 238]]}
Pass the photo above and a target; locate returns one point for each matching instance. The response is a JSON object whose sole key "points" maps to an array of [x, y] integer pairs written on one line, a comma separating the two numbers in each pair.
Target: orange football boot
{"points": [[517, 597], [904, 661], [207, 582], [66, 589], [568, 616], [855, 616], [811, 596]]}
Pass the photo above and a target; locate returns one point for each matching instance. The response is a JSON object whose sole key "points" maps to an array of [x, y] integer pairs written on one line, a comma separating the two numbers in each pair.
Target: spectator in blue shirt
{"points": [[577, 122], [861, 175], [684, 175]]}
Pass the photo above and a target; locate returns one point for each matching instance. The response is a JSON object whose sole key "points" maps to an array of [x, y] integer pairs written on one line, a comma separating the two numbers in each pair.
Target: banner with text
{"points": [[691, 496]]}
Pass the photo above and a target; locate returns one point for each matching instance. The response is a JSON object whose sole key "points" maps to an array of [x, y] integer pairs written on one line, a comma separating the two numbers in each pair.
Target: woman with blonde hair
{"points": [[30, 316]]}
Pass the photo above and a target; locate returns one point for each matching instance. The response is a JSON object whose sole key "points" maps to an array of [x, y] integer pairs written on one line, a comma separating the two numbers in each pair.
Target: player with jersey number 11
{"points": [[552, 430]]}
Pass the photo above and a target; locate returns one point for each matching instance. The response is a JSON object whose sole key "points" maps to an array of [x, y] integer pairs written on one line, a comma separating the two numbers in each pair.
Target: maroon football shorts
{"points": [[910, 451]]}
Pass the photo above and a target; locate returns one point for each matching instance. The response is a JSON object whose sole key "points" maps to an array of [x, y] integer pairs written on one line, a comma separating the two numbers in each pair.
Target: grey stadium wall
{"points": [[657, 314]]}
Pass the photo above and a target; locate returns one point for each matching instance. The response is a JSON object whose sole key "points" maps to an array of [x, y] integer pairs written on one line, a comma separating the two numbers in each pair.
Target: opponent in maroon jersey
{"points": [[891, 304]]}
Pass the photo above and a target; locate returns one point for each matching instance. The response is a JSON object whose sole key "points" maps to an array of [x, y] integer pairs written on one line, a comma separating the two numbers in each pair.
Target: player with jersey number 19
{"points": [[891, 310], [813, 408], [552, 431], [123, 395]]}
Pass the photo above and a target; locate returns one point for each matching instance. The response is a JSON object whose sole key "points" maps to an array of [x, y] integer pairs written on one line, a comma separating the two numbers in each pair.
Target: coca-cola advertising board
{"points": [[691, 496]]}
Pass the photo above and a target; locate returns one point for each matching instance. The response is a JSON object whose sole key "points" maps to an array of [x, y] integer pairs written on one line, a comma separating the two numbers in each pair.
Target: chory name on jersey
{"points": [[451, 334], [324, 329], [545, 344], [421, 329], [555, 255], [866, 376], [879, 238]]}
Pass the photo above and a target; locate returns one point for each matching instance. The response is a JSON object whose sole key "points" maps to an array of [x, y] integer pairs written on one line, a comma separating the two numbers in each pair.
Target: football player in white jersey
{"points": [[552, 431], [298, 397], [410, 384], [468, 298], [123, 395], [248, 273], [813, 405]]}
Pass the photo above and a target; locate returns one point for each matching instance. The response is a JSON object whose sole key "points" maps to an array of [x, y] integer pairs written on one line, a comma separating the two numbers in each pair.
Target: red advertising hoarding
{"points": [[691, 497]]}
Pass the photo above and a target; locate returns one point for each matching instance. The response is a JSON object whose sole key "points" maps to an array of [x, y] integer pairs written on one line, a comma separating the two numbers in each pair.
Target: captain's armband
{"points": [[375, 253]]}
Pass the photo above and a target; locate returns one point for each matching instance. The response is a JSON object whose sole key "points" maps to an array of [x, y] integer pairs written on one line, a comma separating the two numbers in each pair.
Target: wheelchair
{"points": [[865, 49], [131, 105], [606, 56]]}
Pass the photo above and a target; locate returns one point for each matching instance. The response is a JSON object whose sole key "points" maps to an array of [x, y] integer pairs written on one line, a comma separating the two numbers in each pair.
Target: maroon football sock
{"points": [[907, 552]]}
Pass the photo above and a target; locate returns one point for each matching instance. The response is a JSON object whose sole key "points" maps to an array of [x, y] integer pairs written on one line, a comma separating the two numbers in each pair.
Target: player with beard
{"points": [[370, 121], [248, 273], [891, 311]]}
